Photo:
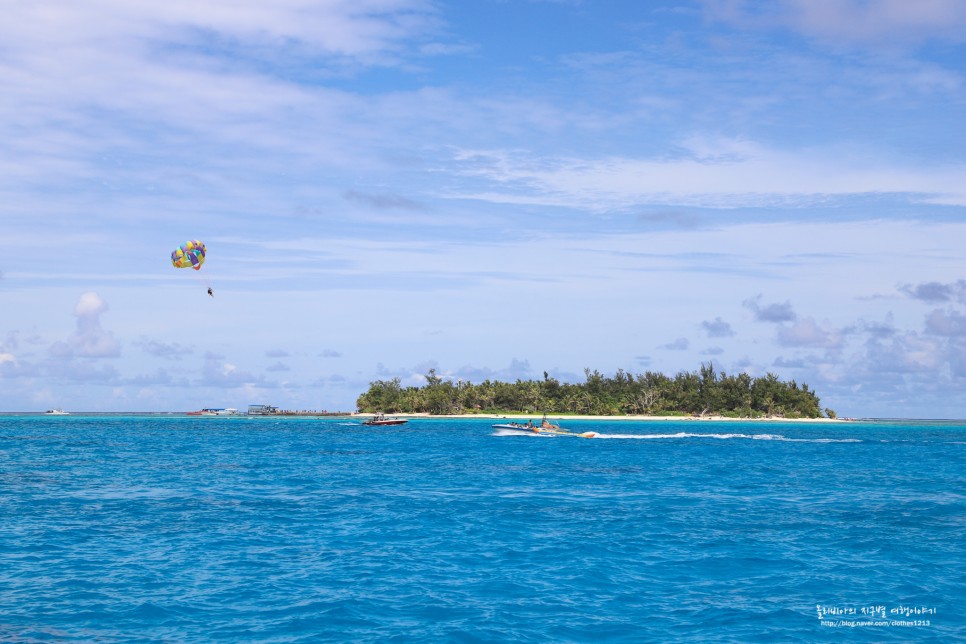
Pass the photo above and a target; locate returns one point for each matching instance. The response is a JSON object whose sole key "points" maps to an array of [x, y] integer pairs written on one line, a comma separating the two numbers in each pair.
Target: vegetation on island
{"points": [[689, 393]]}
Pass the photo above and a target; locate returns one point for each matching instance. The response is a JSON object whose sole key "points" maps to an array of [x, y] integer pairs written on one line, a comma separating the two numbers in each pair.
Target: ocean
{"points": [[161, 528]]}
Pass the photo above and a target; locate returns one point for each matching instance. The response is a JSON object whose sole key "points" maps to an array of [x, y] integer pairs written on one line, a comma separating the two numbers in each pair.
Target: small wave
{"points": [[685, 435], [520, 432], [757, 437], [690, 435]]}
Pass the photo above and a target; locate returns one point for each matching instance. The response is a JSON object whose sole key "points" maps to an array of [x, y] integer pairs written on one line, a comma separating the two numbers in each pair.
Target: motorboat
{"points": [[528, 426], [544, 428], [381, 420], [214, 411], [57, 412]]}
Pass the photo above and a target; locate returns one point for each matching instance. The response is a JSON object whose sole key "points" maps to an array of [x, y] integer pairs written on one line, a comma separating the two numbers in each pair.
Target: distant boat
{"points": [[214, 411], [381, 420], [544, 428], [57, 412]]}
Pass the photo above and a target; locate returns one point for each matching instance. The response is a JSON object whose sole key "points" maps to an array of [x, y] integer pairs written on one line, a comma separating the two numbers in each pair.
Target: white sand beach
{"points": [[706, 418]]}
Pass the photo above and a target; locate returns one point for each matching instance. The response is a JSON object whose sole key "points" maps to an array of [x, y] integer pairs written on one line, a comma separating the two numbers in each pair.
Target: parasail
{"points": [[190, 254]]}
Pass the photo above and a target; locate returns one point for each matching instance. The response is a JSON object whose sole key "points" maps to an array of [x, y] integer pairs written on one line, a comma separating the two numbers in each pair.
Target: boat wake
{"points": [[542, 433], [687, 435], [755, 437]]}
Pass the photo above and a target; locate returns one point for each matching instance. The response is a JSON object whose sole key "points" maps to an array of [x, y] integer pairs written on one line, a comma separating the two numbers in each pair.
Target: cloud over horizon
{"points": [[89, 340]]}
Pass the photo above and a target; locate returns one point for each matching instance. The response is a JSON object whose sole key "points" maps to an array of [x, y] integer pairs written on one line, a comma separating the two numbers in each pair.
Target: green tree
{"points": [[696, 392]]}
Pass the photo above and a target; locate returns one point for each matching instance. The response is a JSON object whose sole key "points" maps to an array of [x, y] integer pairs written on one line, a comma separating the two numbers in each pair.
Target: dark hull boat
{"points": [[380, 420]]}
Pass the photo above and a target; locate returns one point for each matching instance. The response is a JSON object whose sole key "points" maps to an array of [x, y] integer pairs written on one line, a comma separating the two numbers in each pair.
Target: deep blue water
{"points": [[160, 528]]}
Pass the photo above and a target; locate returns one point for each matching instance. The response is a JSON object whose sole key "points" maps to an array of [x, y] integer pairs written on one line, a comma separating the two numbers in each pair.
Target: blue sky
{"points": [[493, 189]]}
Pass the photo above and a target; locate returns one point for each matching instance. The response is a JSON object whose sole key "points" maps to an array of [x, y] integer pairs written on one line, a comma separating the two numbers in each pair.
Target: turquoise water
{"points": [[161, 528]]}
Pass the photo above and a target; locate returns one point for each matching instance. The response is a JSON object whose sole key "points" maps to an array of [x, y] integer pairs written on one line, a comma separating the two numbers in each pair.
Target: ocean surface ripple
{"points": [[164, 528]]}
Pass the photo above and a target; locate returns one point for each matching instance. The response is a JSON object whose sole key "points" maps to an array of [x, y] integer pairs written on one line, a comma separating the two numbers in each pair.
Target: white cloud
{"points": [[908, 352], [717, 328], [681, 344], [946, 323], [215, 372], [104, 81], [89, 340], [718, 173], [167, 351], [770, 312], [881, 22], [90, 305], [806, 332], [936, 291], [343, 27]]}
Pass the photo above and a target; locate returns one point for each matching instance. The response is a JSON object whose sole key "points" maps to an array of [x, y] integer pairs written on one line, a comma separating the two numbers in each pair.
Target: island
{"points": [[700, 393]]}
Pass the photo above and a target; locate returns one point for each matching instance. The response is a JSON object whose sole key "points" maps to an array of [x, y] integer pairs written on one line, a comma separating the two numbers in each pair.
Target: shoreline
{"points": [[536, 417], [424, 415]]}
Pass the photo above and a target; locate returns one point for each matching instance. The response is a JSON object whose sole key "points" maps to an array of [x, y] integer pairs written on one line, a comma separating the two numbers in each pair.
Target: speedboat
{"points": [[381, 420], [214, 411], [545, 428], [528, 425], [57, 412]]}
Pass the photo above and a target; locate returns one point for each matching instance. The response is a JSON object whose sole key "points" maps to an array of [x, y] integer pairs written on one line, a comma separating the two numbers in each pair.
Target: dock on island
{"points": [[269, 410]]}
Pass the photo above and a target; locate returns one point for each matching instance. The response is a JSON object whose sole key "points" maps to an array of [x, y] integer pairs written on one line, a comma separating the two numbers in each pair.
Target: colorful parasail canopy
{"points": [[190, 254]]}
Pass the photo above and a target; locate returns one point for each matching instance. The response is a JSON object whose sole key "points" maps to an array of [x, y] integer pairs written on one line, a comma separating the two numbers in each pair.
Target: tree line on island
{"points": [[689, 393]]}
